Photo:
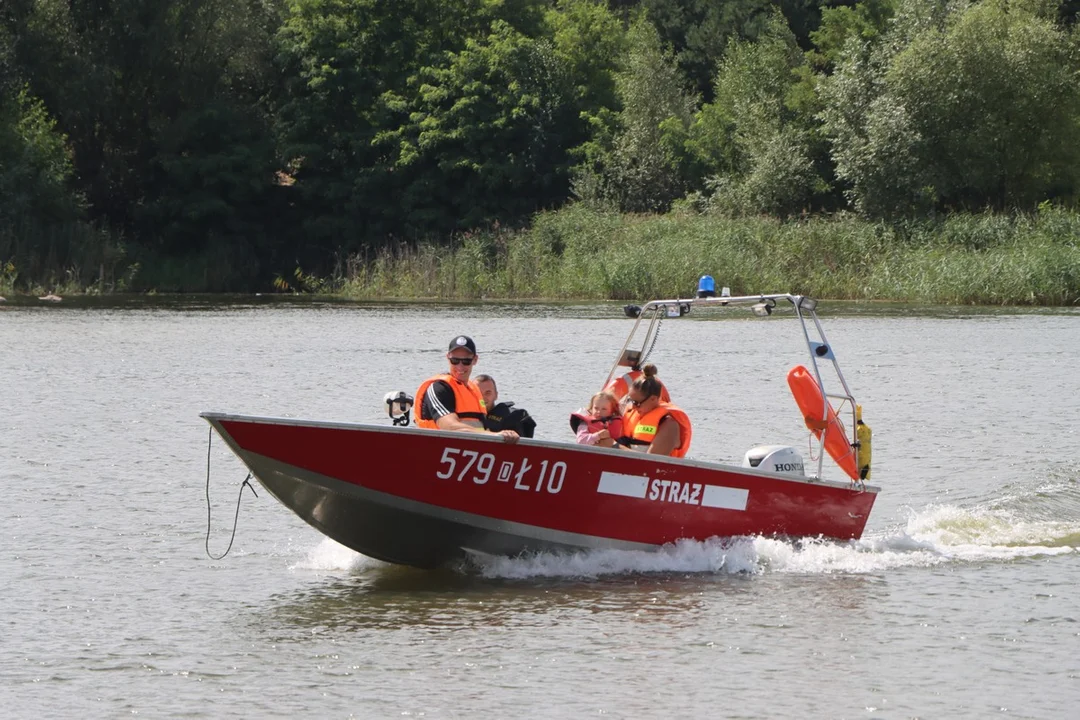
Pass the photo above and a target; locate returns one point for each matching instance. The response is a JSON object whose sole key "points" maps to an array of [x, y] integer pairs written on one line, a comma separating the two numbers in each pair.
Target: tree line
{"points": [[211, 144]]}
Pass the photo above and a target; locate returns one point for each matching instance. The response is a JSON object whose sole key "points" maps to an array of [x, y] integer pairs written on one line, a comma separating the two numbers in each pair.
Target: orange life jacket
{"points": [[621, 385], [642, 428], [468, 402]]}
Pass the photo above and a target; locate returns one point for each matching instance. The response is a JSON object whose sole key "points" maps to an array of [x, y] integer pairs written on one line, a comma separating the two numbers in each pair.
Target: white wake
{"points": [[935, 535]]}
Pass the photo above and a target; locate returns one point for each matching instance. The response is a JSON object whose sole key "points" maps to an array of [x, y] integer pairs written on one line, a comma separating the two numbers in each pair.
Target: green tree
{"points": [[631, 161], [35, 161], [419, 118], [41, 235], [1069, 11], [590, 41], [976, 106], [484, 142], [349, 67], [214, 168], [700, 30], [753, 144], [125, 77], [35, 164], [995, 101], [866, 21]]}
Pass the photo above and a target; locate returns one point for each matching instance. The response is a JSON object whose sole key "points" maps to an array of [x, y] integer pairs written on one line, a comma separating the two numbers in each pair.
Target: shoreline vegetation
{"points": [[582, 252], [894, 150]]}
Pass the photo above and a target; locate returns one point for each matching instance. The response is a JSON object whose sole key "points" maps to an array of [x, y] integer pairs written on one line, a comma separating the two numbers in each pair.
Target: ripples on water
{"points": [[960, 600]]}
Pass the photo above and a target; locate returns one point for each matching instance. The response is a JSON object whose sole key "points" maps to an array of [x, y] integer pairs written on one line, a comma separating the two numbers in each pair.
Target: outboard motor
{"points": [[774, 458], [398, 405]]}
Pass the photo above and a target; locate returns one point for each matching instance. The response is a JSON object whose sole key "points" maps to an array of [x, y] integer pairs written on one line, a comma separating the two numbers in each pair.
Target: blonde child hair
{"points": [[603, 395]]}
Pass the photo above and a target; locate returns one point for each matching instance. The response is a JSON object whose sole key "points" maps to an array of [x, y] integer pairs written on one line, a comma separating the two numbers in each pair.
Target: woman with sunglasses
{"points": [[452, 401], [620, 386], [652, 425]]}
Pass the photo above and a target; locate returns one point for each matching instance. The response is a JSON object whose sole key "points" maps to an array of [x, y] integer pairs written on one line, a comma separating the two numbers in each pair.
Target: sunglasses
{"points": [[461, 361], [639, 403]]}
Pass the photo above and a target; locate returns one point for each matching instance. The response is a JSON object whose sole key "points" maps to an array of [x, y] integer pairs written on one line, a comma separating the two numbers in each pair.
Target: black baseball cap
{"points": [[462, 341]]}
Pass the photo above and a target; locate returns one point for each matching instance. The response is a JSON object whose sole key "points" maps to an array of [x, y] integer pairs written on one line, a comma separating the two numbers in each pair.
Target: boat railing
{"points": [[636, 350]]}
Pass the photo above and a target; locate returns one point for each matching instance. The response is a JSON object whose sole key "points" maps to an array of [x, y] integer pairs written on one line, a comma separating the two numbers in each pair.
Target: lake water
{"points": [[961, 600]]}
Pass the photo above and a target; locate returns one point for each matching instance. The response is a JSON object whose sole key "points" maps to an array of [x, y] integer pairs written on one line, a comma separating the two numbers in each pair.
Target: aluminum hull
{"points": [[425, 498]]}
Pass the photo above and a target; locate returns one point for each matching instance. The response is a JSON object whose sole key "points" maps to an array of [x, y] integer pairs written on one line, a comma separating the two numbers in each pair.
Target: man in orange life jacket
{"points": [[452, 401]]}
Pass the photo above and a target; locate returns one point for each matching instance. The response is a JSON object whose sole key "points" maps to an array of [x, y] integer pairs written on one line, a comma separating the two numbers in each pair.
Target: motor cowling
{"points": [[775, 458]]}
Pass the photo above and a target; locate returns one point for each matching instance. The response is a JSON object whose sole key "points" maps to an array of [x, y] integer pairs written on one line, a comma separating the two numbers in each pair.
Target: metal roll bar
{"points": [[818, 347]]}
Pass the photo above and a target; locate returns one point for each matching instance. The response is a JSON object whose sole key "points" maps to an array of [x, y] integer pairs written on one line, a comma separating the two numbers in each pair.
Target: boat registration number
{"points": [[479, 468]]}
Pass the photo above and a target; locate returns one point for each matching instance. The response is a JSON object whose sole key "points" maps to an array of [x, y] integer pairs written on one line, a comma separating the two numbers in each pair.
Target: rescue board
{"points": [[819, 417]]}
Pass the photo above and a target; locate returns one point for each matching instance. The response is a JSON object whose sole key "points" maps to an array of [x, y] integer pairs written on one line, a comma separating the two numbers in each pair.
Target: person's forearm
{"points": [[585, 437], [456, 424], [667, 438]]}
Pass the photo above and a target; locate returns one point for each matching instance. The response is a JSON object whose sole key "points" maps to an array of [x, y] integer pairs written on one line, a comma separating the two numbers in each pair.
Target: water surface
{"points": [[960, 601]]}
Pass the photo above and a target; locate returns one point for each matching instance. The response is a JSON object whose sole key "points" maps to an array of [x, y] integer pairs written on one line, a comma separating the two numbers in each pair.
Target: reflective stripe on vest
{"points": [[469, 403], [642, 428]]}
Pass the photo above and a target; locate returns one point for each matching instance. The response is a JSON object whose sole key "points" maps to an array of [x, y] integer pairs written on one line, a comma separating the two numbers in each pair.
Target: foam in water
{"points": [[331, 556], [935, 535]]}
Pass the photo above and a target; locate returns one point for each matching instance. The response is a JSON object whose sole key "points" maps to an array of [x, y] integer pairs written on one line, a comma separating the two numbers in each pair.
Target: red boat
{"points": [[427, 497]]}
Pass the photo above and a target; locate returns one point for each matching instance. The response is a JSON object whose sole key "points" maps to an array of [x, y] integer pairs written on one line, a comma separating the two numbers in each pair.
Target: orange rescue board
{"points": [[812, 405]]}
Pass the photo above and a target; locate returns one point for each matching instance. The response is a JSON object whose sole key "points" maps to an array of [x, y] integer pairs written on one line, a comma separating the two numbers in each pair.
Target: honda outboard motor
{"points": [[398, 405], [774, 458]]}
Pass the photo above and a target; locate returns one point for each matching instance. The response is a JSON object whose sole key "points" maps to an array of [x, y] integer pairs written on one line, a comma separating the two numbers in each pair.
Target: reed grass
{"points": [[584, 252], [68, 257]]}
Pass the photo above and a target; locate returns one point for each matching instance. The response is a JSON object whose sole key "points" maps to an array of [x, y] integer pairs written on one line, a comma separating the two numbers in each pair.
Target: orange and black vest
{"points": [[641, 429], [621, 385], [468, 402]]}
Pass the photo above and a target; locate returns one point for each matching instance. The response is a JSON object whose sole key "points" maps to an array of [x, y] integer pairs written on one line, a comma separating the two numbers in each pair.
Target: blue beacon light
{"points": [[706, 287]]}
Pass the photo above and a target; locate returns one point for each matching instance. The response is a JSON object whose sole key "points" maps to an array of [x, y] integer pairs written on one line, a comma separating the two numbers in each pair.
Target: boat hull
{"points": [[426, 498]]}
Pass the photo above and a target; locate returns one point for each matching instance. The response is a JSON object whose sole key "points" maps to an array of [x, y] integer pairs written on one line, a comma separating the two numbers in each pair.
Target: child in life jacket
{"points": [[600, 423]]}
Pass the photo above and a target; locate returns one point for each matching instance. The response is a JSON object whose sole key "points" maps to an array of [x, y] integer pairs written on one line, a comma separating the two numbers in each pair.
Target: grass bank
{"points": [[40, 257], [66, 258], [581, 252]]}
